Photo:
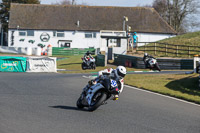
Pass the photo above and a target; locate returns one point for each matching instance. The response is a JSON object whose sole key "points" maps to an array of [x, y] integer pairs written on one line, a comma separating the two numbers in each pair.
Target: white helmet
{"points": [[145, 54], [120, 72]]}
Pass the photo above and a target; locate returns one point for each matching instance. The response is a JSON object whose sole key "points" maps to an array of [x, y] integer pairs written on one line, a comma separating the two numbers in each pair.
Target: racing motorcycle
{"points": [[98, 94], [88, 64], [152, 64]]}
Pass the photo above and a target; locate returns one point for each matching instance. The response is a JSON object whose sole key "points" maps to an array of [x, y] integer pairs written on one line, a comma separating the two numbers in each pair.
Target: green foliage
{"points": [[5, 8]]}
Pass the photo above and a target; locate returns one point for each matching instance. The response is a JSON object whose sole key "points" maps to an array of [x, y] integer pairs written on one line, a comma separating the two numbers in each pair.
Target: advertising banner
{"points": [[12, 64], [41, 64]]}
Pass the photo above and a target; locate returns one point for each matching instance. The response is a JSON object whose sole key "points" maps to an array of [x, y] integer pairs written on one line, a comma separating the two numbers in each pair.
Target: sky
{"points": [[126, 3]]}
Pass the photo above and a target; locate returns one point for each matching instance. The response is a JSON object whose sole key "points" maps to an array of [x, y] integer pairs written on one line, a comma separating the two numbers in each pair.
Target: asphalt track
{"points": [[45, 103]]}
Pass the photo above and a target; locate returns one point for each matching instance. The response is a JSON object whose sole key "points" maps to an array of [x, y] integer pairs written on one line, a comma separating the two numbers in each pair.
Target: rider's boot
{"points": [[116, 97]]}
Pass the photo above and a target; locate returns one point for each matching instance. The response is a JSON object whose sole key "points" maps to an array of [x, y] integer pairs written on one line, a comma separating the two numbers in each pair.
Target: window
{"points": [[30, 32], [58, 34], [94, 35], [22, 33], [90, 35], [26, 33]]}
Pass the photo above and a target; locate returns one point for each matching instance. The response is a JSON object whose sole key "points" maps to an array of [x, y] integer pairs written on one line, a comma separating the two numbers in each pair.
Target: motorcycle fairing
{"points": [[152, 62], [91, 92]]}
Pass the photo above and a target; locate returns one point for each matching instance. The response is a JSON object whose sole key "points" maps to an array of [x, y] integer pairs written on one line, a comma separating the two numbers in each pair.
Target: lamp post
{"points": [[125, 19]]}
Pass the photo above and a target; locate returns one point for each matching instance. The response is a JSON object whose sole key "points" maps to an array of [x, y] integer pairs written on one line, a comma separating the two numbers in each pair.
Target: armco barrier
{"points": [[71, 51], [12, 64], [164, 63]]}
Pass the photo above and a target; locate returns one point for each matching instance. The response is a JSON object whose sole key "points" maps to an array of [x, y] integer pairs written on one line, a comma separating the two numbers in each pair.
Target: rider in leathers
{"points": [[87, 56], [117, 74], [146, 59]]}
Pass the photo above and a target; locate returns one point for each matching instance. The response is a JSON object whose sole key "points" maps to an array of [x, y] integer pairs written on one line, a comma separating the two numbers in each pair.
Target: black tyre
{"points": [[83, 66], [97, 100], [94, 66], [79, 103], [157, 67]]}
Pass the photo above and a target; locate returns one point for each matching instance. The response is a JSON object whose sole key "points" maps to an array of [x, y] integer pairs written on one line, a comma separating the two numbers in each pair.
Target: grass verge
{"points": [[176, 85]]}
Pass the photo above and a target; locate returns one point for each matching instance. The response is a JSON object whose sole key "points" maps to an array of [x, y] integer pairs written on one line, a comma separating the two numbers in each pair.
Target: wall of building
{"points": [[151, 37], [76, 39]]}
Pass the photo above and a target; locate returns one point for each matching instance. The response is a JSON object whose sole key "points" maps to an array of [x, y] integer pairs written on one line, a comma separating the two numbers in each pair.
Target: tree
{"points": [[65, 2], [68, 2], [175, 12], [5, 8]]}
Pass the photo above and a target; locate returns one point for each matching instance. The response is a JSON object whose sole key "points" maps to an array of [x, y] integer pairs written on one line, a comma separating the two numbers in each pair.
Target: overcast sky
{"points": [[126, 3]]}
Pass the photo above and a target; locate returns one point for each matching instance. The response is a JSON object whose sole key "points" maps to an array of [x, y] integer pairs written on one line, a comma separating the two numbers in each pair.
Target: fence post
{"points": [[145, 47], [199, 73], [188, 51], [165, 49], [176, 50], [154, 48], [128, 44]]}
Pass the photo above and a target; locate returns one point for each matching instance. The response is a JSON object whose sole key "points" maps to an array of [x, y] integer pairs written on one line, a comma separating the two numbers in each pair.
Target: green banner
{"points": [[12, 64]]}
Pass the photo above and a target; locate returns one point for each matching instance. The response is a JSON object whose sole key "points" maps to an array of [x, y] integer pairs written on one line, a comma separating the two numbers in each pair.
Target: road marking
{"points": [[89, 77], [162, 95]]}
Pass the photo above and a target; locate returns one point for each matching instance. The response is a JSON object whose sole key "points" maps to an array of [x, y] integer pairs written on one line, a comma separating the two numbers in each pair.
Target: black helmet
{"points": [[88, 52]]}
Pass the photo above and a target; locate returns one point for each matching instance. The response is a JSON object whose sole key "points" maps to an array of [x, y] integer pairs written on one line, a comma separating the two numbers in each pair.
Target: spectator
{"points": [[135, 40]]}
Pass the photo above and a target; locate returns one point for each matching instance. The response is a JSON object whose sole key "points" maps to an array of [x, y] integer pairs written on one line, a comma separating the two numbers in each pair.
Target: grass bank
{"points": [[175, 85]]}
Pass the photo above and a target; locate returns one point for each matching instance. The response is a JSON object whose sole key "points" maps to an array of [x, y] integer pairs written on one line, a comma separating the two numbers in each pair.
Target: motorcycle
{"points": [[152, 64], [98, 94], [88, 64]]}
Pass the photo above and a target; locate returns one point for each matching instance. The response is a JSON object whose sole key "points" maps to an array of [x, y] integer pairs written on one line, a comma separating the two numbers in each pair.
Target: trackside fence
{"points": [[164, 63], [166, 49], [71, 51]]}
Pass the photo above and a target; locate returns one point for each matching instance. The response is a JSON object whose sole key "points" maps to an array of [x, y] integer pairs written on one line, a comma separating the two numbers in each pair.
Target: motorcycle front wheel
{"points": [[97, 100], [79, 103], [157, 67]]}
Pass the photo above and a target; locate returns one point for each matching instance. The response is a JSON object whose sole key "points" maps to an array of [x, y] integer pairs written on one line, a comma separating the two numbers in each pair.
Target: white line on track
{"points": [[162, 95]]}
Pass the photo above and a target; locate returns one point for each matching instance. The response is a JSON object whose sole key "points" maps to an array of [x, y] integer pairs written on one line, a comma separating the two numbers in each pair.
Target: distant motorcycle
{"points": [[88, 64], [97, 94], [152, 64]]}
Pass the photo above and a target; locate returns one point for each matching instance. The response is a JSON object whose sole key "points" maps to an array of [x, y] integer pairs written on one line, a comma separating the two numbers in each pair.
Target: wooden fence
{"points": [[168, 49]]}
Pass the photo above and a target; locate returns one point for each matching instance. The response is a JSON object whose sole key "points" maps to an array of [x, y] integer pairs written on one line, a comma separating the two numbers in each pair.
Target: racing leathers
{"points": [[87, 57], [146, 59], [109, 72]]}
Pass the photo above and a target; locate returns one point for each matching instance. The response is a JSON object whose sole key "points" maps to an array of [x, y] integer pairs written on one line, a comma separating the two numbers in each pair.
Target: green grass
{"points": [[189, 39], [179, 86], [73, 65]]}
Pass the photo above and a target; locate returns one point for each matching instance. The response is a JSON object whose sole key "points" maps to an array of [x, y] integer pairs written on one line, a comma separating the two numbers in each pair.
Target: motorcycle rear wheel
{"points": [[97, 100], [82, 66]]}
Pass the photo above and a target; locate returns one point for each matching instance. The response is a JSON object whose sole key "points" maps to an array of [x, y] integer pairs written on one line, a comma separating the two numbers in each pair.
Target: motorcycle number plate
{"points": [[113, 83]]}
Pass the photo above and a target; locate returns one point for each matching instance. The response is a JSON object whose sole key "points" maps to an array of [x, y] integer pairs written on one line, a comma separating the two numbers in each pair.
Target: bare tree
{"points": [[65, 2], [175, 12]]}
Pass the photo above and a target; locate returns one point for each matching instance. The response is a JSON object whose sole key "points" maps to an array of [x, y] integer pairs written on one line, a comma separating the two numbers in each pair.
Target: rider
{"points": [[87, 56], [117, 74], [146, 58]]}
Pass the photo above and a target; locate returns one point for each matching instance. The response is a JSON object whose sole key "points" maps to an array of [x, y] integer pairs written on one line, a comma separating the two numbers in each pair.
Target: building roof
{"points": [[91, 18]]}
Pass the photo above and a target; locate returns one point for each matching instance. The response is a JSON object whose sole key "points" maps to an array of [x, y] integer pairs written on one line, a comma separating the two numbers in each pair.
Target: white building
{"points": [[32, 25]]}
